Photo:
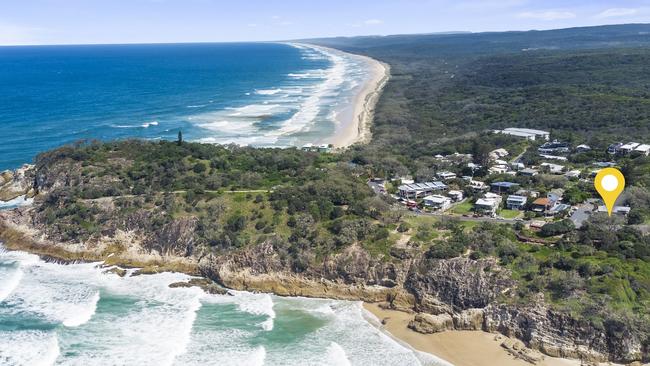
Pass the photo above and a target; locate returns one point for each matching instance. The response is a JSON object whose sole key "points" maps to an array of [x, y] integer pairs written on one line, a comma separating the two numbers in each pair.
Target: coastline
{"points": [[355, 121], [458, 347]]}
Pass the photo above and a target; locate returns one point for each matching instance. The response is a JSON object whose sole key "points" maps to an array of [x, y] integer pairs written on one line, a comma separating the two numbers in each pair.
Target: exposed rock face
{"points": [[461, 283], [427, 323], [470, 319], [351, 275], [16, 183], [174, 239], [558, 334]]}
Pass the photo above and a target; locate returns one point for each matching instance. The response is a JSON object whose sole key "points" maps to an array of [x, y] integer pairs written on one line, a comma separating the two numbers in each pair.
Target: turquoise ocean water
{"points": [[77, 314]]}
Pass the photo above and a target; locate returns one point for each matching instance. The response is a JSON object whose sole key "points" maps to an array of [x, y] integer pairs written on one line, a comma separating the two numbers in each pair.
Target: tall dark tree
{"points": [[180, 138]]}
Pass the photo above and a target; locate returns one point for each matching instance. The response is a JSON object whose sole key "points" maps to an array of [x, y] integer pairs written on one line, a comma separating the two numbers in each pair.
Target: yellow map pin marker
{"points": [[609, 183]]}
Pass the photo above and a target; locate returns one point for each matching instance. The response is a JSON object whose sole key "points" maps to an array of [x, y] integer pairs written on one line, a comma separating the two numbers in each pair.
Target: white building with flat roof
{"points": [[629, 147], [643, 149], [527, 133], [416, 190], [437, 202]]}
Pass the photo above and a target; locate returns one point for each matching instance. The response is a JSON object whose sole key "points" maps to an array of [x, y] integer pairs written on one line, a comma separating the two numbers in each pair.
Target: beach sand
{"points": [[354, 123], [460, 348]]}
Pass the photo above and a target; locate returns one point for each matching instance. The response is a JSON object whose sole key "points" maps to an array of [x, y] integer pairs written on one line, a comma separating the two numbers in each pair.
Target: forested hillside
{"points": [[592, 82]]}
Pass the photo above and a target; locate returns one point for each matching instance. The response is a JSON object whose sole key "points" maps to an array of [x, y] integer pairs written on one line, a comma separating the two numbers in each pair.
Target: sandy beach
{"points": [[355, 121], [460, 348]]}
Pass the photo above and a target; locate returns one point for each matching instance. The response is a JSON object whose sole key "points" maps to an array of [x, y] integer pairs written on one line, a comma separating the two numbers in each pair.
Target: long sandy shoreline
{"points": [[356, 128]]}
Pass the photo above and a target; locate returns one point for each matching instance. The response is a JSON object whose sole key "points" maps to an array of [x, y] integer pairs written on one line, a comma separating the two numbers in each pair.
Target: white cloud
{"points": [[373, 22], [616, 12], [285, 23], [547, 15]]}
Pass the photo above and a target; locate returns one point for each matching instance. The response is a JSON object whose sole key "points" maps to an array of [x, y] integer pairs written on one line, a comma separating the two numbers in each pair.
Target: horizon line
{"points": [[441, 33]]}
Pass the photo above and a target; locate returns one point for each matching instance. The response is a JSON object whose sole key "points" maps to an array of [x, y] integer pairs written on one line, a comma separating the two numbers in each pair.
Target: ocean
{"points": [[80, 314], [251, 94], [259, 94]]}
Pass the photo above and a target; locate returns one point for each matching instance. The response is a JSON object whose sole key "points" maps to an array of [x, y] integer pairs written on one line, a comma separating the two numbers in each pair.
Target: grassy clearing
{"points": [[463, 208], [510, 214]]}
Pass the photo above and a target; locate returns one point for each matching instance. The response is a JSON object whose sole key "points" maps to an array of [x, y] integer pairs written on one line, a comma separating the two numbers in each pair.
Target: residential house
{"points": [[613, 148], [617, 210], [498, 169], [514, 202], [517, 166], [527, 193], [324, 148], [503, 187], [486, 206], [583, 148], [437, 202], [554, 147], [545, 205], [528, 172], [446, 175], [559, 208], [553, 168], [572, 174], [455, 195], [628, 148], [643, 149], [478, 185], [416, 190], [498, 154]]}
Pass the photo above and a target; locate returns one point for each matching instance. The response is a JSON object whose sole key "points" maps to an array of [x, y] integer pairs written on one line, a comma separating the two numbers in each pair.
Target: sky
{"points": [[154, 21]]}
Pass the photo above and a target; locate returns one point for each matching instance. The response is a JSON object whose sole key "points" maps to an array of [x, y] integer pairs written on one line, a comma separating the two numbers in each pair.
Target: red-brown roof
{"points": [[542, 202]]}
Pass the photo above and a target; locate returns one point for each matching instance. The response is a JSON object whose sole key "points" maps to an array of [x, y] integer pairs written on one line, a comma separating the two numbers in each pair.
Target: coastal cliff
{"points": [[110, 220]]}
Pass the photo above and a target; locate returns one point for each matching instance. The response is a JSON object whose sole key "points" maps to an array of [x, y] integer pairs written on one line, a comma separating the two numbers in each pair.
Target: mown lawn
{"points": [[463, 208]]}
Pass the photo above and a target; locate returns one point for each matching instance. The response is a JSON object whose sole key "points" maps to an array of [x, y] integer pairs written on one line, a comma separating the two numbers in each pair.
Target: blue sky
{"points": [[144, 21]]}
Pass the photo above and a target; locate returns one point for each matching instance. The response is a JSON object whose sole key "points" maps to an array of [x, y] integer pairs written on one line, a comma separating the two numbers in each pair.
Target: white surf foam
{"points": [[142, 125], [268, 91], [257, 304], [148, 124], [28, 348], [83, 313], [336, 355], [257, 357], [16, 202], [9, 281], [311, 106], [313, 74]]}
